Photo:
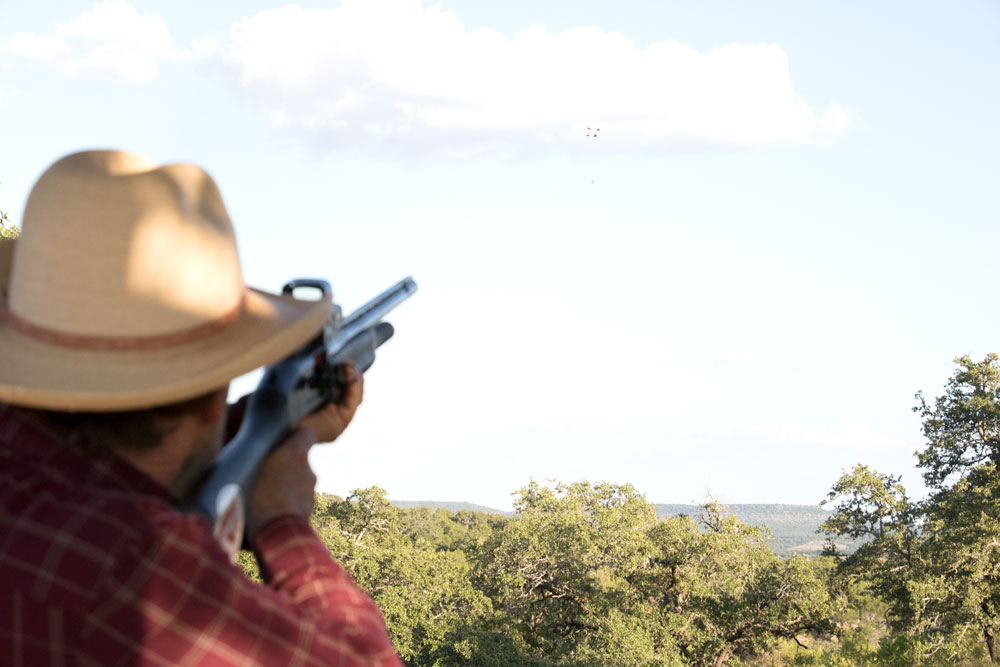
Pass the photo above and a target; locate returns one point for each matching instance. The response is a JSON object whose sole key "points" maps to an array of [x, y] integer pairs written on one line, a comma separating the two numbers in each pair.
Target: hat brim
{"points": [[41, 375]]}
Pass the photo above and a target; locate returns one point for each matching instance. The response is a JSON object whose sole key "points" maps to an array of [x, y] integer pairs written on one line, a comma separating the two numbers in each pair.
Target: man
{"points": [[125, 316]]}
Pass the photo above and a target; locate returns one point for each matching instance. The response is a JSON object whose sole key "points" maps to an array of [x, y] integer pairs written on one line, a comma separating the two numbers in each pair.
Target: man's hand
{"points": [[330, 422], [286, 484]]}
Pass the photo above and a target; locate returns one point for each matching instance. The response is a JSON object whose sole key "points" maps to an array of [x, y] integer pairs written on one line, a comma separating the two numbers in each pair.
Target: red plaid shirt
{"points": [[98, 568]]}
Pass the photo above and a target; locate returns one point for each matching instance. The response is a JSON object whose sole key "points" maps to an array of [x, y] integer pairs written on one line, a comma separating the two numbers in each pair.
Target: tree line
{"points": [[585, 574]]}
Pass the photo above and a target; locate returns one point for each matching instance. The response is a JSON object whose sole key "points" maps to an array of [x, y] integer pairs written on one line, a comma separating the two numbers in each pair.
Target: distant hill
{"points": [[793, 527], [450, 506]]}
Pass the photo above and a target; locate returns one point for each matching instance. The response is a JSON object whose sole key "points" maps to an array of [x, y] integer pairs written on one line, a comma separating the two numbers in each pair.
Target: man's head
{"points": [[125, 291], [173, 444]]}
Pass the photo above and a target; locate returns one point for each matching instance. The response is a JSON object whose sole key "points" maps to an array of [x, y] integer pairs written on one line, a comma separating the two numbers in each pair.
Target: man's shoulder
{"points": [[70, 544]]}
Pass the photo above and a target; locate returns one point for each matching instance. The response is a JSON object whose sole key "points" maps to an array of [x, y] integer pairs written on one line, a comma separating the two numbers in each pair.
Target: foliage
{"points": [[962, 427], [792, 527], [733, 597], [587, 574], [584, 574], [936, 564], [562, 574], [874, 507], [960, 594], [7, 229], [425, 593], [248, 562]]}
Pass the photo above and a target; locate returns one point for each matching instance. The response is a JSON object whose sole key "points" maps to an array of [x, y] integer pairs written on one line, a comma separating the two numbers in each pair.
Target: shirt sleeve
{"points": [[183, 603], [297, 565]]}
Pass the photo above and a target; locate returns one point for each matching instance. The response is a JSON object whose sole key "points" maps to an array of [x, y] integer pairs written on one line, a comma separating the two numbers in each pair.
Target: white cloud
{"points": [[109, 42], [393, 76], [846, 435]]}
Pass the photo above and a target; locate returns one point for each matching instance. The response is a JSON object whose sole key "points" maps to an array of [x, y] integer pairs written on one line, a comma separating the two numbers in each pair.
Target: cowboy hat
{"points": [[124, 291]]}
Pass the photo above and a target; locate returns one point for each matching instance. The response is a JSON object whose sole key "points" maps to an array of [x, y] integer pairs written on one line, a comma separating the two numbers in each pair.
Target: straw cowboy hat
{"points": [[125, 291]]}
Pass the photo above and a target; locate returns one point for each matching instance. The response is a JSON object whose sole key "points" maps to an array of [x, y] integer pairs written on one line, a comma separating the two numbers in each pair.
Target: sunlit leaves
{"points": [[962, 426], [7, 229]]}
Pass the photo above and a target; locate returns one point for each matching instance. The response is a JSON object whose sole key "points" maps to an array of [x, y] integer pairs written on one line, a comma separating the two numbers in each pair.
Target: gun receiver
{"points": [[291, 389]]}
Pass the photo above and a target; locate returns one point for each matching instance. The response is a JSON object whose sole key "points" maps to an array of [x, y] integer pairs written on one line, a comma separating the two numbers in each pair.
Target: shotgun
{"points": [[297, 386]]}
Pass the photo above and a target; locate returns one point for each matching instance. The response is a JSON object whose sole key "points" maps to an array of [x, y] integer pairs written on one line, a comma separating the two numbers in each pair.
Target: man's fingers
{"points": [[331, 420], [354, 386], [347, 373]]}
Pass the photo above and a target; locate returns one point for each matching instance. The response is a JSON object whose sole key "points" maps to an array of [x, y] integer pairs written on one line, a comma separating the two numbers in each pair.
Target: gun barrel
{"points": [[372, 312]]}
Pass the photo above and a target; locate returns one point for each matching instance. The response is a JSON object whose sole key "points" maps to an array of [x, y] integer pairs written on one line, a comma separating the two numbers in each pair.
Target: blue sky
{"points": [[781, 233]]}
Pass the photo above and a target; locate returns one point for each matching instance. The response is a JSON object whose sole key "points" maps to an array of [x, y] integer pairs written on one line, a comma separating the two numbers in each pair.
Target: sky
{"points": [[783, 229]]}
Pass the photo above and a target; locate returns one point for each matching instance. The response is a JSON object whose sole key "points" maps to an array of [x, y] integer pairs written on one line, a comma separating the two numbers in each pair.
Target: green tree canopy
{"points": [[586, 575], [962, 427], [961, 463], [936, 564]]}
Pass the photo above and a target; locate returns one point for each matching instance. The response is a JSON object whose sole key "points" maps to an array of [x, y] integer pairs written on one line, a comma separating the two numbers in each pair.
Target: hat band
{"points": [[124, 343]]}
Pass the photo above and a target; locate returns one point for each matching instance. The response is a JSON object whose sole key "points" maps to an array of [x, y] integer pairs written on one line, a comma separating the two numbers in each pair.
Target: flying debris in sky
{"points": [[592, 132]]}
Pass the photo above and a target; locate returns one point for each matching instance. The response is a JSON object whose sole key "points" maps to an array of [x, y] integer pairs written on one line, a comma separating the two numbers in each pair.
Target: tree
{"points": [[868, 505], [962, 427], [561, 574], [731, 595], [874, 508], [936, 564], [425, 593], [586, 575], [961, 464]]}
